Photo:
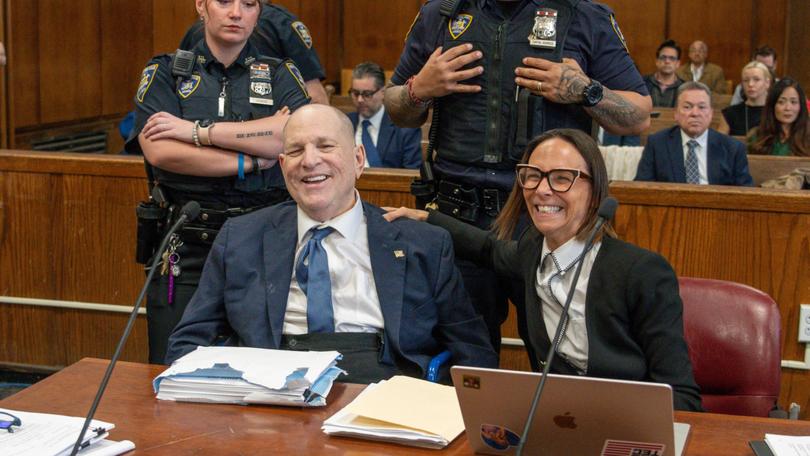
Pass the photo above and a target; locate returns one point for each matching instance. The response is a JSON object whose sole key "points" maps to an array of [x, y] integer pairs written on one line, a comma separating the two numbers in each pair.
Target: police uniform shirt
{"points": [[554, 277], [355, 304], [701, 152], [278, 34], [373, 128], [197, 98]]}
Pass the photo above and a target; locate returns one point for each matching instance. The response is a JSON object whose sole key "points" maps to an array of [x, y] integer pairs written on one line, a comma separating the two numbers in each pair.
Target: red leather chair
{"points": [[733, 334]]}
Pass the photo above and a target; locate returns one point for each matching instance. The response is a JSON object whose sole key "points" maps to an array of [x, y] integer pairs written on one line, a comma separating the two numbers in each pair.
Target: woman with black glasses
{"points": [[625, 320]]}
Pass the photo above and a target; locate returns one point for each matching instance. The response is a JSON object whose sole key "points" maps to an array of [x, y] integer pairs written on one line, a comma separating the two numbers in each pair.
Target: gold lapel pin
{"points": [[399, 253]]}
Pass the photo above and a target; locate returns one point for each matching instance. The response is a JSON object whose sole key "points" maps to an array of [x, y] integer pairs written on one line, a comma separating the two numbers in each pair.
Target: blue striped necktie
{"points": [[313, 278]]}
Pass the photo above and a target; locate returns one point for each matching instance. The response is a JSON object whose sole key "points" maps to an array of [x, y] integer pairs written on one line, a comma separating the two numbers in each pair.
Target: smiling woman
{"points": [[208, 122], [625, 319]]}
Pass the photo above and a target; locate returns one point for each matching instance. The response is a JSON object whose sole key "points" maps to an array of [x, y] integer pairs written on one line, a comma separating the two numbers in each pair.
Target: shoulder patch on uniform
{"points": [[303, 33], [618, 32], [147, 77], [188, 86], [410, 29], [459, 25], [296, 74]]}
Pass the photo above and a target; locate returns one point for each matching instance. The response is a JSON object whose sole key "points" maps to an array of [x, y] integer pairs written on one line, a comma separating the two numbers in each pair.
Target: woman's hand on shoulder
{"points": [[413, 214], [163, 125]]}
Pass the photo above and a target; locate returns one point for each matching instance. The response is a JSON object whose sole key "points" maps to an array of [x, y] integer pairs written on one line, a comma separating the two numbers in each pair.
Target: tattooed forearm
{"points": [[401, 108], [571, 85], [615, 111], [254, 134]]}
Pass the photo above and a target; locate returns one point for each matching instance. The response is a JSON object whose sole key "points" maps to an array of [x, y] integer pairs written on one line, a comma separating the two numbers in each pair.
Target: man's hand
{"points": [[163, 125], [442, 72], [557, 82]]}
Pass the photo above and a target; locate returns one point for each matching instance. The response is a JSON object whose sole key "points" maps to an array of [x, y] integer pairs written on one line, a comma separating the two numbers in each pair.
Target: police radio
{"points": [[182, 63]]}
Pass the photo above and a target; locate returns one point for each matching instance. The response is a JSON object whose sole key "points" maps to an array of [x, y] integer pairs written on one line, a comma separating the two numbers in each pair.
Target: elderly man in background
{"points": [[699, 69]]}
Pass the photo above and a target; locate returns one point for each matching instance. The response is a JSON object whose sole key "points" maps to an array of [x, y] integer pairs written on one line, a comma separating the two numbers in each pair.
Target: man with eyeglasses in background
{"points": [[663, 84], [386, 144]]}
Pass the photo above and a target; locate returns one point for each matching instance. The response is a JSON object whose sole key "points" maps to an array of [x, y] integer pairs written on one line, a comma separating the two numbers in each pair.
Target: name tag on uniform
{"points": [[261, 84], [544, 31]]}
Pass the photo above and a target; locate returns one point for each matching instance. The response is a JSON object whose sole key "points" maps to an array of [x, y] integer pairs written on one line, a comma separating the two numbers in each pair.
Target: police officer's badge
{"points": [[303, 33], [544, 31], [188, 86], [261, 84], [459, 25], [299, 78], [147, 77]]}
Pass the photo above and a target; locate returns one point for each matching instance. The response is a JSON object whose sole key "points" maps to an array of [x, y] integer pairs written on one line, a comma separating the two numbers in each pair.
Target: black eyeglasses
{"points": [[561, 180], [363, 93], [8, 420]]}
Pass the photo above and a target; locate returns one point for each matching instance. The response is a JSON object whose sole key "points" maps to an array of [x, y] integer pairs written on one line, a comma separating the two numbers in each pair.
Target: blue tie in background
{"points": [[313, 278], [692, 169], [371, 150]]}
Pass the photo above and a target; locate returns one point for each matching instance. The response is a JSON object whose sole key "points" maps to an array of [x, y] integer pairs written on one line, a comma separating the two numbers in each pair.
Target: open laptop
{"points": [[576, 415]]}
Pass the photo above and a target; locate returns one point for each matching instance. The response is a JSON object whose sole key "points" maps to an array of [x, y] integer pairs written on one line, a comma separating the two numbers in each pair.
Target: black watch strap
{"points": [[255, 162]]}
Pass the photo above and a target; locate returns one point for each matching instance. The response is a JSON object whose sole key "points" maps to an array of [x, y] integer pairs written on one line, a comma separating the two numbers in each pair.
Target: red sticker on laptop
{"points": [[627, 448]]}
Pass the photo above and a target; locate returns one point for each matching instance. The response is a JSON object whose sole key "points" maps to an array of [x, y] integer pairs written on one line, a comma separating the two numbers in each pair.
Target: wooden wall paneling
{"points": [[323, 19], [797, 63], [3, 81], [376, 30], [770, 28], [170, 20], [643, 24], [24, 65], [126, 44], [70, 67], [724, 26]]}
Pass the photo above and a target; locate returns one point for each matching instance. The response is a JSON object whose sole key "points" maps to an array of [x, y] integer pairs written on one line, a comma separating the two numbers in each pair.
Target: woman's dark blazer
{"points": [[633, 309]]}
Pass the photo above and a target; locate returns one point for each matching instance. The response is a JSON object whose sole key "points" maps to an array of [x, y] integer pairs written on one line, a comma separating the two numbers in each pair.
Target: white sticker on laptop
{"points": [[626, 448]]}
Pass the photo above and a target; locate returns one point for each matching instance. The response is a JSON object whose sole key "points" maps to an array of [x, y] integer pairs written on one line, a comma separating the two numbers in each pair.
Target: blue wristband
{"points": [[241, 170]]}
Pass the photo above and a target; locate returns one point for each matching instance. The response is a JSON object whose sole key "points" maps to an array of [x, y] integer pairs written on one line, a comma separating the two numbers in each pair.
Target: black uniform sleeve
{"points": [[294, 40], [156, 93], [420, 43], [288, 87]]}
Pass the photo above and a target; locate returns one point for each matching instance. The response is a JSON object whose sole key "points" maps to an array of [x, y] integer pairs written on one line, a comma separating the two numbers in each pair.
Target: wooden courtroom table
{"points": [[165, 427]]}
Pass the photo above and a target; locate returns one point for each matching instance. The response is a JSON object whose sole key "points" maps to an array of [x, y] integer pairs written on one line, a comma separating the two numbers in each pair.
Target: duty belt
{"points": [[204, 229], [466, 202]]}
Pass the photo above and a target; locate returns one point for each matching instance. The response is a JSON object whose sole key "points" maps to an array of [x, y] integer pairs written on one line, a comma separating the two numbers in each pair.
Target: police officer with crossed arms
{"points": [[498, 73]]}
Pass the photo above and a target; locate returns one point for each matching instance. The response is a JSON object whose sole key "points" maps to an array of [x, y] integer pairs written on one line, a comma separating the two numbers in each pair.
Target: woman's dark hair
{"points": [[504, 225], [770, 130]]}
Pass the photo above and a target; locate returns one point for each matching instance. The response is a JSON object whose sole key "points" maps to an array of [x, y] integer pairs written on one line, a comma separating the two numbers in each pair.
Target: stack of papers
{"points": [[401, 410], [788, 445], [43, 434], [243, 375]]}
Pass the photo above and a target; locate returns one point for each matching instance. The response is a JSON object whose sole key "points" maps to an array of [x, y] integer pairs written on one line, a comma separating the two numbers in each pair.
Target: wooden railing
{"points": [[67, 234]]}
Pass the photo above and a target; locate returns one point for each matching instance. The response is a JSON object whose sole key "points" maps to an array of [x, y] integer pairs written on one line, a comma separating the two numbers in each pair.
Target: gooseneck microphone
{"points": [[606, 211], [189, 212]]}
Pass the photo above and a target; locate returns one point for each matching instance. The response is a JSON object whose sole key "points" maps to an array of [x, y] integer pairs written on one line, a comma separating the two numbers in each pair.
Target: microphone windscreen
{"points": [[608, 208], [191, 210]]}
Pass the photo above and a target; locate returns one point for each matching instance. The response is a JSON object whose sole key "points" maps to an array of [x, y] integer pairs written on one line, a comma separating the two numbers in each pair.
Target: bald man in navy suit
{"points": [[397, 299]]}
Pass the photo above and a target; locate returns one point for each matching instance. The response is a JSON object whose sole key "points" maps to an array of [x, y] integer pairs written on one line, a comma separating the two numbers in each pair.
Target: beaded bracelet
{"points": [[195, 133], [414, 99]]}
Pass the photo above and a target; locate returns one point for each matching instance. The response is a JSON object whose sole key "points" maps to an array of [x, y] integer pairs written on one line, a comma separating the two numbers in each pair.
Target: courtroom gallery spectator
{"points": [[691, 152], [765, 55], [739, 119], [784, 128], [387, 145], [663, 84], [699, 69]]}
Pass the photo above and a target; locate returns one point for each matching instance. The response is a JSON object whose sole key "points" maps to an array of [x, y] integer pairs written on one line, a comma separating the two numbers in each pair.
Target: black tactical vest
{"points": [[490, 129]]}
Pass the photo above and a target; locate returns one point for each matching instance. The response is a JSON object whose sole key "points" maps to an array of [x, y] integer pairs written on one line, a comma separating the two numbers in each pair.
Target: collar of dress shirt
{"points": [[376, 119], [347, 223], [565, 255], [703, 139]]}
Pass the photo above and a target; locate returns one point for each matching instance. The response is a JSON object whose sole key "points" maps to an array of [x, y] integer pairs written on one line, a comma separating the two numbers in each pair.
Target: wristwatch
{"points": [[592, 94], [204, 131]]}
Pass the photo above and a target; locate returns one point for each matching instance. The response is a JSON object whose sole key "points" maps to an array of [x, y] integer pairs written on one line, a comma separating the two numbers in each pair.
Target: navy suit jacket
{"points": [[398, 147], [244, 287], [662, 159]]}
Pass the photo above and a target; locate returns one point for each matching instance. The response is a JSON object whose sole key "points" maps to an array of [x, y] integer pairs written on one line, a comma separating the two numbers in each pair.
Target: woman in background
{"points": [[740, 118], [784, 127]]}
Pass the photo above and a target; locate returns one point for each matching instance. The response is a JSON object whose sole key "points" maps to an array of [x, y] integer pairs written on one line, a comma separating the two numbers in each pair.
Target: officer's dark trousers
{"points": [[162, 317], [490, 295]]}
